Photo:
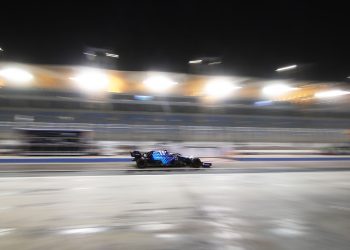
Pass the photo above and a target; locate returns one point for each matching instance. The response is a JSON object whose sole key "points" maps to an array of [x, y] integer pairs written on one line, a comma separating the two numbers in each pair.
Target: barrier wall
{"points": [[122, 132]]}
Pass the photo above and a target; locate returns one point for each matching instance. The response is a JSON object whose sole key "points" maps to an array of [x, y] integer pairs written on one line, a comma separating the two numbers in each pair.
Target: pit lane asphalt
{"points": [[172, 210], [130, 169]]}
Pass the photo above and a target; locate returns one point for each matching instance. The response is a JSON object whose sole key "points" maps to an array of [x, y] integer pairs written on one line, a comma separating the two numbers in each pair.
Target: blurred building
{"points": [[91, 95]]}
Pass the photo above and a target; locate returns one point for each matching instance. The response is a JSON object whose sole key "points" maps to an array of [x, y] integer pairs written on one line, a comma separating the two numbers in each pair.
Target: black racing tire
{"points": [[141, 163], [196, 163]]}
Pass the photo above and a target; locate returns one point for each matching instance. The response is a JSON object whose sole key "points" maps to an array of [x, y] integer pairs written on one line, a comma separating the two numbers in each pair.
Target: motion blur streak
{"points": [[331, 93], [174, 125]]}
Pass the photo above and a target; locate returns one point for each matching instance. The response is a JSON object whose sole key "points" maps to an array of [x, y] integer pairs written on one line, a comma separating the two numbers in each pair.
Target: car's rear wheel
{"points": [[141, 163], [178, 164], [196, 163]]}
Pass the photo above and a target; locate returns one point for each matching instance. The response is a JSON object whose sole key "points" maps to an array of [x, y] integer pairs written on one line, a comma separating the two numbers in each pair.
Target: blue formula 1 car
{"points": [[162, 158]]}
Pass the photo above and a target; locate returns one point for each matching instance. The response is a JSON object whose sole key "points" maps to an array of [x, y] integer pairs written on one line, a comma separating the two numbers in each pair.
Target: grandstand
{"points": [[64, 95]]}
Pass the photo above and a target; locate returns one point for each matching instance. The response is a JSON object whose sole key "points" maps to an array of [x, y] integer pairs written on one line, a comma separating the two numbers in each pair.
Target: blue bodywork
{"points": [[162, 156]]}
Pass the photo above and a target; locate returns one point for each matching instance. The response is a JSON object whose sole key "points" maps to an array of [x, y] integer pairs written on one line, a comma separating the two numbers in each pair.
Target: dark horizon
{"points": [[252, 40]]}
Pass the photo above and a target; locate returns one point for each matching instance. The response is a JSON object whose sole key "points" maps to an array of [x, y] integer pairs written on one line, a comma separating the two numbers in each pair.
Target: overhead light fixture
{"points": [[89, 54], [214, 63], [287, 68], [112, 55], [195, 61]]}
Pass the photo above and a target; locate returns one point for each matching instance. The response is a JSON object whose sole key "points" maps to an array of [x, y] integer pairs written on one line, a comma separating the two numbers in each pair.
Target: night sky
{"points": [[253, 39]]}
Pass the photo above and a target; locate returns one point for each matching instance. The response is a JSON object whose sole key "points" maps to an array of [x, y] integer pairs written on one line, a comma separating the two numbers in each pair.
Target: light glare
{"points": [[91, 81], [159, 83], [277, 89], [331, 93], [16, 75], [219, 88]]}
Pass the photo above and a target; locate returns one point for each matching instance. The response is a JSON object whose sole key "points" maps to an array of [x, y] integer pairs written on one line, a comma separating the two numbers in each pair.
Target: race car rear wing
{"points": [[136, 154]]}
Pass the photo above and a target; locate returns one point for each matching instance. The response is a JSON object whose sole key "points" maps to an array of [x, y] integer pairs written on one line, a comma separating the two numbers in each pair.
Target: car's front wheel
{"points": [[196, 163]]}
